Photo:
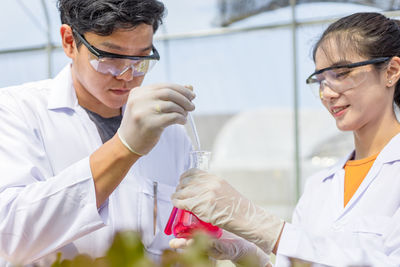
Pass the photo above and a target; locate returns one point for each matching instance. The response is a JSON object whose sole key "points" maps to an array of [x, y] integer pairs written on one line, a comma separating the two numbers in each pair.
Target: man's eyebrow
{"points": [[117, 47]]}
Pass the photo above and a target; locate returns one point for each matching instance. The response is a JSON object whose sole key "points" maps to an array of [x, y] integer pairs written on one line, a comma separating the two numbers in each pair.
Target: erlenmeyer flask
{"points": [[183, 223]]}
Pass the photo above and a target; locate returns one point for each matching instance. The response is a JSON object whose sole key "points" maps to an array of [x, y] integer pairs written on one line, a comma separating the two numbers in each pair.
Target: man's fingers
{"points": [[169, 107], [190, 87], [168, 94], [167, 119], [184, 90]]}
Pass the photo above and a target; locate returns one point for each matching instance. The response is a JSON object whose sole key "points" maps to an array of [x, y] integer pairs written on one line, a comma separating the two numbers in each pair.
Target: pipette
{"points": [[193, 125], [194, 130]]}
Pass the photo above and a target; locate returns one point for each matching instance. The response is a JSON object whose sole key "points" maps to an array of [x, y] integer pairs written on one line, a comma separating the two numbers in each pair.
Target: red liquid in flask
{"points": [[183, 223], [186, 224]]}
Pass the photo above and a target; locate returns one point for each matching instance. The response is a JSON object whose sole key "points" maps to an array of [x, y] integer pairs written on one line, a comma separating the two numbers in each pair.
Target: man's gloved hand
{"points": [[215, 201], [149, 110], [228, 247]]}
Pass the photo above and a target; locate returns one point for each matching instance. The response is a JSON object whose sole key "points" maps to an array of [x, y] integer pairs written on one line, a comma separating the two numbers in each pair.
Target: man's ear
{"points": [[393, 72], [68, 42]]}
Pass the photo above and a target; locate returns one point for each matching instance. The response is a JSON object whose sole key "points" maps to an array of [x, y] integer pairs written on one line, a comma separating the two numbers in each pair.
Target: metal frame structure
{"points": [[49, 47]]}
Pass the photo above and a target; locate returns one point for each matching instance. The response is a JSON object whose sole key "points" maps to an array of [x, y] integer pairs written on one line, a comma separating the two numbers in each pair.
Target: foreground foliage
{"points": [[127, 250]]}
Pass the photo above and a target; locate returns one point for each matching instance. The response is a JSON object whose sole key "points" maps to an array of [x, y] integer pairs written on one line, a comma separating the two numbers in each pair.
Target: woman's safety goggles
{"points": [[116, 64], [340, 78]]}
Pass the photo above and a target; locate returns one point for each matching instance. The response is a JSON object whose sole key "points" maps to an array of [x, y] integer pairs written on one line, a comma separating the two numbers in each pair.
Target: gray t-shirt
{"points": [[107, 127]]}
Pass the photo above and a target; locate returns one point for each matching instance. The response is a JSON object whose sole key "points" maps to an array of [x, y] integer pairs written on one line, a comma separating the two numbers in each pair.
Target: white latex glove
{"points": [[215, 201], [149, 110], [228, 247]]}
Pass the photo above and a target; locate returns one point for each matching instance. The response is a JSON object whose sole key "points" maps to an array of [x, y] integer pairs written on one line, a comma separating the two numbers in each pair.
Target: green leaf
{"points": [[127, 250], [57, 262]]}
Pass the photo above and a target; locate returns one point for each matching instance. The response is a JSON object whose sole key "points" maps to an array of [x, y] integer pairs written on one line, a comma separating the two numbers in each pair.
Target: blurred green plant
{"points": [[127, 250]]}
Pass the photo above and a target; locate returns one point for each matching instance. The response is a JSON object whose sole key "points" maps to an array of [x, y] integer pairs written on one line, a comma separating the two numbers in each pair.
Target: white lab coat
{"points": [[366, 231], [47, 198]]}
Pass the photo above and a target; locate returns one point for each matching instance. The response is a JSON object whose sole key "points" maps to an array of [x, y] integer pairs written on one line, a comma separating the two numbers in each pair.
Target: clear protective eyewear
{"points": [[340, 78], [116, 64]]}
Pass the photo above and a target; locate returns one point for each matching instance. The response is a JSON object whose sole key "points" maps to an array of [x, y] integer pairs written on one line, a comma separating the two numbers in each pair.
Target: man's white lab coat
{"points": [[47, 198], [366, 231]]}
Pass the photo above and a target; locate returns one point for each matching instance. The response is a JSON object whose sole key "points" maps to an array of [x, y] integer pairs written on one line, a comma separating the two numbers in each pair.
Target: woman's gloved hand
{"points": [[229, 247], [149, 110], [215, 201]]}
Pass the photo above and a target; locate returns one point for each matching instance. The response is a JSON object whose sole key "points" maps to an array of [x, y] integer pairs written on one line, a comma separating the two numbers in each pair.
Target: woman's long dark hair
{"points": [[369, 34]]}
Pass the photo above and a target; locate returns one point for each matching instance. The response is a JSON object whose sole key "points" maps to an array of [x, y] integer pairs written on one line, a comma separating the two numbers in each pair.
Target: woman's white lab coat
{"points": [[366, 231], [47, 198]]}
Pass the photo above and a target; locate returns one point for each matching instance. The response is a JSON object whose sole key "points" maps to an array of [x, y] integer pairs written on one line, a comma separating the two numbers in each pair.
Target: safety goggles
{"points": [[341, 78], [116, 64]]}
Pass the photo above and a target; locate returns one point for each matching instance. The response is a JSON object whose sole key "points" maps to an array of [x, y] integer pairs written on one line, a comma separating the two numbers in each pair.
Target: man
{"points": [[92, 152]]}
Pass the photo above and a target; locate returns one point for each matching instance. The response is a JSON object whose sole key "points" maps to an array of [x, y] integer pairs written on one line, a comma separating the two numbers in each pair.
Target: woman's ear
{"points": [[67, 40], [393, 72]]}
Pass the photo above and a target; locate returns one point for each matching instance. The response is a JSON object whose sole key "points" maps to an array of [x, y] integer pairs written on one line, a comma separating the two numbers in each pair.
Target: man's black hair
{"points": [[102, 17]]}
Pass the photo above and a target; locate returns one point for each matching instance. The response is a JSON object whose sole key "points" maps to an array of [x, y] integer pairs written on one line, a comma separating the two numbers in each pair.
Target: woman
{"points": [[347, 214]]}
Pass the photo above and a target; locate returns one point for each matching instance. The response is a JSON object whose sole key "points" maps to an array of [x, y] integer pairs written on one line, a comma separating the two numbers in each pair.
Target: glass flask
{"points": [[183, 223]]}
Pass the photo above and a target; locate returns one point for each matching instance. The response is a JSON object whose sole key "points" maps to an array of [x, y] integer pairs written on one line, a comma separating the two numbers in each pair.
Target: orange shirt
{"points": [[355, 172]]}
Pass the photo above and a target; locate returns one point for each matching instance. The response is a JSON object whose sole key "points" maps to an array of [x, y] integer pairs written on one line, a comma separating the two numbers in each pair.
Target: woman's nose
{"points": [[326, 92]]}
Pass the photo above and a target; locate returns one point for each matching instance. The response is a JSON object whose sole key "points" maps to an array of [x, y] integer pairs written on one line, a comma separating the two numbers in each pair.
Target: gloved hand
{"points": [[229, 247], [215, 201], [149, 110]]}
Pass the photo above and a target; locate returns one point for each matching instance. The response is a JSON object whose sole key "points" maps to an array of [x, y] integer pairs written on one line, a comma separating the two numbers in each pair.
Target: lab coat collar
{"points": [[330, 172], [389, 153], [62, 91]]}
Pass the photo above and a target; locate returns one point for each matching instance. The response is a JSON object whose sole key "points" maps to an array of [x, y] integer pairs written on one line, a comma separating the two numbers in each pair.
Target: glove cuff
{"points": [[126, 144], [259, 227]]}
